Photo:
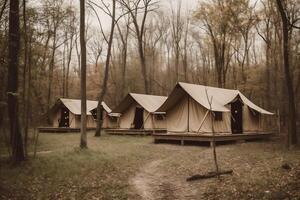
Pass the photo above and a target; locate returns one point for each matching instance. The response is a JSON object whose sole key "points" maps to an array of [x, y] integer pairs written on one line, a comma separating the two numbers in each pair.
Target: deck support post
{"points": [[182, 142], [211, 143], [278, 122]]}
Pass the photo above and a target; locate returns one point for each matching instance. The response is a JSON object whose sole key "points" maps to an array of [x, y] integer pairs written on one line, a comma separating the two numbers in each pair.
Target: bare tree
{"points": [[112, 14], [25, 36], [123, 33], [209, 100], [70, 45], [83, 138], [177, 26], [57, 15], [136, 9], [286, 26], [12, 86]]}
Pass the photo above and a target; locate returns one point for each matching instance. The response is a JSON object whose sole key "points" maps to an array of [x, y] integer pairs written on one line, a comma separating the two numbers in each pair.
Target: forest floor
{"points": [[128, 167]]}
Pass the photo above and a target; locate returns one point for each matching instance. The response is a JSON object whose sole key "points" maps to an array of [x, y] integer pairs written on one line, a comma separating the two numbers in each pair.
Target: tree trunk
{"points": [[12, 86], [68, 64], [50, 73], [143, 64], [83, 139], [28, 94], [292, 132], [105, 79], [24, 79]]}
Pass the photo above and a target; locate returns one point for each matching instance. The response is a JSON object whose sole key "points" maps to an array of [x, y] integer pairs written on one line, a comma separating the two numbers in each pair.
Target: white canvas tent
{"points": [[138, 111], [67, 112], [106, 115], [188, 111]]}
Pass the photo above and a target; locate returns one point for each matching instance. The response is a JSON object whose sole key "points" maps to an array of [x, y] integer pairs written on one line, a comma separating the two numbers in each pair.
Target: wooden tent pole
{"points": [[202, 122], [153, 123], [188, 117], [278, 121]]}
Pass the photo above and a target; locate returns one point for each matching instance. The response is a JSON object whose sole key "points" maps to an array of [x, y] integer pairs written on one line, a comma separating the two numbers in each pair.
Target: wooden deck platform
{"points": [[135, 131], [158, 137], [60, 129]]}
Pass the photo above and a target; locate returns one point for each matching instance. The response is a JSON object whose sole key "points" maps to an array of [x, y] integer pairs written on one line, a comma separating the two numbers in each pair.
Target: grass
{"points": [[68, 172], [105, 170]]}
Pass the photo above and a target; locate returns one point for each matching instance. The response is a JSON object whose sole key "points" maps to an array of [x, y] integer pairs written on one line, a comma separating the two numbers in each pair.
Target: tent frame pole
{"points": [[278, 122], [202, 122], [188, 117]]}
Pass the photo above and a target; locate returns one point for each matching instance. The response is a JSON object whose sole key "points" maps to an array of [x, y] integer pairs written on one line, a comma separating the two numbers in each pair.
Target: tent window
{"points": [[218, 116], [113, 119], [160, 116]]}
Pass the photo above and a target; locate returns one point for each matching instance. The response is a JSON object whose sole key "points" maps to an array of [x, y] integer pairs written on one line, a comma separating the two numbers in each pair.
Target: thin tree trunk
{"points": [[83, 139], [51, 68], [68, 64], [12, 86], [78, 56], [64, 70], [24, 79], [28, 100], [213, 133], [143, 64], [292, 137], [105, 79]]}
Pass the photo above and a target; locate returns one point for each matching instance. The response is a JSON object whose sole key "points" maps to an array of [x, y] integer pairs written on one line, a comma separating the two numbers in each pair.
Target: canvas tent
{"points": [[67, 113], [138, 111], [107, 117], [188, 111]]}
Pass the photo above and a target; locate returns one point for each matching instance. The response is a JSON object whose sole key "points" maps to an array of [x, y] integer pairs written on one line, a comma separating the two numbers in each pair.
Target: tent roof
{"points": [[220, 97], [105, 107], [74, 105], [149, 102]]}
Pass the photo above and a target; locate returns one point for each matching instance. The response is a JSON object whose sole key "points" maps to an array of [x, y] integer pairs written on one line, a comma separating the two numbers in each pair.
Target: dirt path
{"points": [[144, 180], [156, 181]]}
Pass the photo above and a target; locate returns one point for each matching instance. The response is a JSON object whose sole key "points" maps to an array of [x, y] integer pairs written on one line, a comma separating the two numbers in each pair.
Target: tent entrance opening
{"points": [[237, 117], [138, 118], [64, 117]]}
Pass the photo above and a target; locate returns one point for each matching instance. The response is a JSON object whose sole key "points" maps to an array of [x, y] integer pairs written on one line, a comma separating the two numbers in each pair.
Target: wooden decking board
{"points": [[209, 138], [60, 129], [134, 131]]}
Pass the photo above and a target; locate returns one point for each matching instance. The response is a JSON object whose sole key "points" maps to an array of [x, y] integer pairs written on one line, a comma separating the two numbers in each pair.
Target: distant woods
{"points": [[252, 46]]}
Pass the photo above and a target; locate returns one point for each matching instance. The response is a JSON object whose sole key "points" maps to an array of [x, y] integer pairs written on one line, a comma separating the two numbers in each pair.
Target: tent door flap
{"points": [[237, 117], [64, 117], [138, 118]]}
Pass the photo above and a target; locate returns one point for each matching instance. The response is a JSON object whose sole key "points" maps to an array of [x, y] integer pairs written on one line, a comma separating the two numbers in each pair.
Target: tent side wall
{"points": [[150, 122], [109, 122], [177, 116], [251, 122], [106, 121], [199, 114], [187, 115], [90, 122], [56, 119], [127, 117]]}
